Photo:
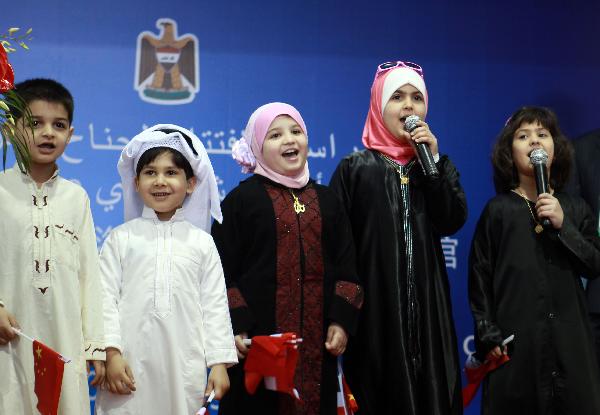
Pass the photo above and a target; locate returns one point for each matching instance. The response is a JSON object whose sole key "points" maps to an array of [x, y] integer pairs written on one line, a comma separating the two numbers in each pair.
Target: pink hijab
{"points": [[375, 134], [247, 151]]}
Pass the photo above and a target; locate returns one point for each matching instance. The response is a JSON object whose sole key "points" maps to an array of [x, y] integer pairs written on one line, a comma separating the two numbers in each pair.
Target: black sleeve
{"points": [[340, 185], [579, 234], [348, 294], [228, 241], [482, 260], [445, 199]]}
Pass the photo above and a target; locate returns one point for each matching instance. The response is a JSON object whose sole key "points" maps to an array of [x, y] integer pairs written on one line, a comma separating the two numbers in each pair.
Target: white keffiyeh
{"points": [[198, 207]]}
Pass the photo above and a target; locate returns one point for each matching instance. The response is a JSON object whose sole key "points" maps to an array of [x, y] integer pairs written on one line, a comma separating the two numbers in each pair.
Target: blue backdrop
{"points": [[481, 59]]}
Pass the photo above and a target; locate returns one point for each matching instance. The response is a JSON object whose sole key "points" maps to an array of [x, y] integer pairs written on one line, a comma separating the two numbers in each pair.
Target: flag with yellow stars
{"points": [[48, 367]]}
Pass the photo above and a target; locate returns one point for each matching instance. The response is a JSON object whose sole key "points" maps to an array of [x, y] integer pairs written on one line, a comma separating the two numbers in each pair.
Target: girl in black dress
{"points": [[288, 257], [524, 278], [404, 358]]}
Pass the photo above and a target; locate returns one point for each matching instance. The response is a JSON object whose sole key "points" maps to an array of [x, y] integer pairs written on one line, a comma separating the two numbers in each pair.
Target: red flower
{"points": [[7, 75]]}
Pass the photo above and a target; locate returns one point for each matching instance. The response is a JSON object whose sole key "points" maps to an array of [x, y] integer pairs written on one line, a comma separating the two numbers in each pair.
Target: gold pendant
{"points": [[298, 207], [403, 179], [539, 228]]}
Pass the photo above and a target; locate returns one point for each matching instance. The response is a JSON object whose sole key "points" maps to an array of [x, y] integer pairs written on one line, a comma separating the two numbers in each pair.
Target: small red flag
{"points": [[48, 366], [272, 358], [346, 403], [476, 371]]}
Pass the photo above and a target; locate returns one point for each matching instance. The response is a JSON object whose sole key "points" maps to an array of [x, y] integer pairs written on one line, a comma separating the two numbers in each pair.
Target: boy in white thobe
{"points": [[49, 276], [166, 312]]}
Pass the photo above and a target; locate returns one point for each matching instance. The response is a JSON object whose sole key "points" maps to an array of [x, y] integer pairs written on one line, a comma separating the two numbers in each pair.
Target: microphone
{"points": [[423, 151], [538, 158]]}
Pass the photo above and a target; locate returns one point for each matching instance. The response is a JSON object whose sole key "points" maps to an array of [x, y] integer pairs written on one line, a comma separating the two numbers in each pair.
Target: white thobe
{"points": [[50, 281], [166, 310]]}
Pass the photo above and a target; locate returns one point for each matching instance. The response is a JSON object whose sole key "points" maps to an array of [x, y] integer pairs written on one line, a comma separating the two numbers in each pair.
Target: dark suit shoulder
{"points": [[587, 141]]}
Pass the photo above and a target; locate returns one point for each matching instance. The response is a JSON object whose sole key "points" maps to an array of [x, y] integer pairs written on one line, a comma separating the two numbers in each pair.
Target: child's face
{"points": [[163, 186], [51, 132], [405, 101], [526, 138], [285, 147]]}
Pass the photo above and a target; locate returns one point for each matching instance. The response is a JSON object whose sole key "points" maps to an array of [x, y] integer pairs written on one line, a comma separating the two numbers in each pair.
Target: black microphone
{"points": [[538, 158], [423, 151]]}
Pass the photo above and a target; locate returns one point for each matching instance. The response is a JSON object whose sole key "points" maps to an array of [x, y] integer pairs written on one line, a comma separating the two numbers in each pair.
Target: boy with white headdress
{"points": [[165, 311]]}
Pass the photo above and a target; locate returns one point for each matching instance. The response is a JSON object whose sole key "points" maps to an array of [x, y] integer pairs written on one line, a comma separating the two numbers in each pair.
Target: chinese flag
{"points": [[346, 403], [48, 366], [272, 358]]}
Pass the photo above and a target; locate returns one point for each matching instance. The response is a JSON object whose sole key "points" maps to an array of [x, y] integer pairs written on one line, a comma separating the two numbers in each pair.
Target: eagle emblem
{"points": [[166, 65]]}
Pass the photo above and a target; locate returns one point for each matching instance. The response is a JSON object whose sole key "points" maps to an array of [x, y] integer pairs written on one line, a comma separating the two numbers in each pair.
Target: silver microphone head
{"points": [[411, 122], [538, 156]]}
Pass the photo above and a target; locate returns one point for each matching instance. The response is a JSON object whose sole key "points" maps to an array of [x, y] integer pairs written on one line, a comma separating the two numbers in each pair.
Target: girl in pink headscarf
{"points": [[288, 256], [404, 357]]}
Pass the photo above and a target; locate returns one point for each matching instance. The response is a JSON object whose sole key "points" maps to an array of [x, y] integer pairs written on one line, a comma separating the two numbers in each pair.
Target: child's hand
{"points": [[99, 369], [496, 352], [422, 134], [548, 207], [242, 349], [7, 322], [217, 380], [336, 339], [119, 378]]}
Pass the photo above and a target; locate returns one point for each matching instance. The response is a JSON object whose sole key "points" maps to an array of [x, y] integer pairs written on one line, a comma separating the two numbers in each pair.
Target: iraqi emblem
{"points": [[166, 65]]}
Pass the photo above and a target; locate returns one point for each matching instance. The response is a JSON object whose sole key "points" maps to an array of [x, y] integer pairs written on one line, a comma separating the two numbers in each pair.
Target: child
{"points": [[524, 279], [165, 311], [49, 277], [404, 357], [289, 260]]}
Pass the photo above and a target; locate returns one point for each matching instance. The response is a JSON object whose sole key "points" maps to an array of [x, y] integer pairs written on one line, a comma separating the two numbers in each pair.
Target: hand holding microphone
{"points": [[423, 150], [546, 203], [539, 158]]}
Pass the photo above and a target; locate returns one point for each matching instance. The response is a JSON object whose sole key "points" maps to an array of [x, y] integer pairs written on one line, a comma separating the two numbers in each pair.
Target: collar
{"points": [[269, 181], [149, 213], [29, 179]]}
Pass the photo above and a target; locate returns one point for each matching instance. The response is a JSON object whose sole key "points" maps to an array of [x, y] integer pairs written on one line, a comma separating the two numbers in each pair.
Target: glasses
{"points": [[386, 66]]}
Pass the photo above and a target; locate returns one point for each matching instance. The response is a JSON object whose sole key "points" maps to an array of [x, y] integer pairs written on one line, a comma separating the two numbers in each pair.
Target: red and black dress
{"points": [[288, 271]]}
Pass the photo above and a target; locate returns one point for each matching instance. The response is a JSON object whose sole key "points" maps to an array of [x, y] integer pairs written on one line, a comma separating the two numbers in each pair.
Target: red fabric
{"points": [[346, 403], [7, 75], [350, 292], [476, 375], [48, 366], [299, 293], [272, 356], [350, 401], [235, 298]]}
